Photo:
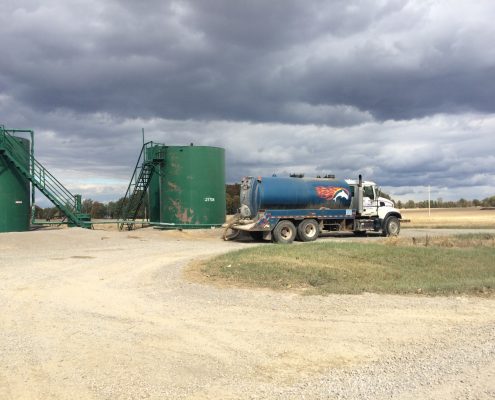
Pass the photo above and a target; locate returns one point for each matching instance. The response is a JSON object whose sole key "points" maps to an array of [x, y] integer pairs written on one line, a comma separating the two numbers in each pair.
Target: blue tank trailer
{"points": [[285, 209]]}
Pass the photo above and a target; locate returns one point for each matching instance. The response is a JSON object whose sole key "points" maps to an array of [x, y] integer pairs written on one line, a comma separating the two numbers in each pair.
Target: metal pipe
{"points": [[360, 195]]}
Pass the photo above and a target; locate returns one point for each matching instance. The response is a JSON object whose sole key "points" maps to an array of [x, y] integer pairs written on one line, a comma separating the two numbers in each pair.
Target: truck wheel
{"points": [[308, 230], [284, 232], [391, 226]]}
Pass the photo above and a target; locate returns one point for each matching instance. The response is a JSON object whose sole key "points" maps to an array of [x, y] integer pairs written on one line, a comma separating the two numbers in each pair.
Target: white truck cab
{"points": [[375, 206]]}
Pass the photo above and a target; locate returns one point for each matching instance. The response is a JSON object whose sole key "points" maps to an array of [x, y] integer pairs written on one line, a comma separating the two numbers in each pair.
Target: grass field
{"points": [[449, 218], [444, 266]]}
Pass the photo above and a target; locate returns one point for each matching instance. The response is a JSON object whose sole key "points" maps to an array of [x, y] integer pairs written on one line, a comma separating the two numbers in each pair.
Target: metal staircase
{"points": [[41, 178], [149, 157]]}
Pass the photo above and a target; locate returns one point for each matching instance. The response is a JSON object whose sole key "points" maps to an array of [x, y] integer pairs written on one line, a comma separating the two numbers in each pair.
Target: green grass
{"points": [[330, 267]]}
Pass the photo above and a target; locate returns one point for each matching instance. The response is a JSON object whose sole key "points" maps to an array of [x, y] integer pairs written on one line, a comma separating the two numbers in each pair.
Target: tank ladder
{"points": [[134, 197], [40, 177]]}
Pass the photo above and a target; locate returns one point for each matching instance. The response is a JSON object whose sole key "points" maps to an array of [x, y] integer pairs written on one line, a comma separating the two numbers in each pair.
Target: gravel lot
{"points": [[107, 315]]}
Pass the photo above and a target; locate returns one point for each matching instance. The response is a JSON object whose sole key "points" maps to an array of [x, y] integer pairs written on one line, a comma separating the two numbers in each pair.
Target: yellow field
{"points": [[471, 217]]}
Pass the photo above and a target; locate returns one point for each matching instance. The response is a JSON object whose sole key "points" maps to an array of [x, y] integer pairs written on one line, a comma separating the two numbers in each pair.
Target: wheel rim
{"points": [[310, 230], [286, 233], [393, 228]]}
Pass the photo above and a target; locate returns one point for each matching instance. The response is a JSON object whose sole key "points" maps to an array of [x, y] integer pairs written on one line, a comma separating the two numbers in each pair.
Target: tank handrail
{"points": [[138, 163], [21, 154], [138, 184], [127, 201], [55, 180], [39, 175]]}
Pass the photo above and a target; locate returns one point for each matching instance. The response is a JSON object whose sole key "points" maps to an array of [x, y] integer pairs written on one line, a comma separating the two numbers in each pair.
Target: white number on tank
{"points": [[209, 199]]}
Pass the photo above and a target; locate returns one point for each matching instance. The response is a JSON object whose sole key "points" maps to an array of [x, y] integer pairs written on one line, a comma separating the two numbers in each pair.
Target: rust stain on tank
{"points": [[173, 187], [184, 215]]}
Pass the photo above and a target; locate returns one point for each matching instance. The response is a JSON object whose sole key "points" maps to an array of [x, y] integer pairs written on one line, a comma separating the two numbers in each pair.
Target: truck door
{"points": [[369, 200]]}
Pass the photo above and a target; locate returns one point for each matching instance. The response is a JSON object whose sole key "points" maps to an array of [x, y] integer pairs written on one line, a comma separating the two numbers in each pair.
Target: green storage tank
{"points": [[188, 187], [14, 194]]}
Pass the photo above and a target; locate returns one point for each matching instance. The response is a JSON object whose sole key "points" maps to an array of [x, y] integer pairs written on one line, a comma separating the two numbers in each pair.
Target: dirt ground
{"points": [[108, 315]]}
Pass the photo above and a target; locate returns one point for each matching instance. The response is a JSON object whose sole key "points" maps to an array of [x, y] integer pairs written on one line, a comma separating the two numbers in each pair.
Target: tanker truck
{"points": [[284, 209]]}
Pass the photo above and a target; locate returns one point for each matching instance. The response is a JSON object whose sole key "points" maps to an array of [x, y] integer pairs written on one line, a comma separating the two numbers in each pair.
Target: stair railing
{"points": [[33, 170]]}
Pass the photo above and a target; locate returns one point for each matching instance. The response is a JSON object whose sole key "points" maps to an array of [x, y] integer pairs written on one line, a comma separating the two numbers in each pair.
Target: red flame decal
{"points": [[329, 192]]}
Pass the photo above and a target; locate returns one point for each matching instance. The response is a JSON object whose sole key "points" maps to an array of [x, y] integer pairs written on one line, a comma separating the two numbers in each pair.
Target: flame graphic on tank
{"points": [[332, 193]]}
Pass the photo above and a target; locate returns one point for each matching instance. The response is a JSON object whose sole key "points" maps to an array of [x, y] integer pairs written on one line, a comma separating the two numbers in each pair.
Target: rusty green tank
{"points": [[187, 189]]}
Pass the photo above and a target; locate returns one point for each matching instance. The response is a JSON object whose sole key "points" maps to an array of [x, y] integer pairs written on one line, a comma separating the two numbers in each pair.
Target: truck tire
{"points": [[308, 230], [391, 226], [284, 232]]}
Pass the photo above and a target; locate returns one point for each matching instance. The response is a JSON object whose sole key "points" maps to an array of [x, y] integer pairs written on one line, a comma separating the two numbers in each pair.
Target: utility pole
{"points": [[429, 199]]}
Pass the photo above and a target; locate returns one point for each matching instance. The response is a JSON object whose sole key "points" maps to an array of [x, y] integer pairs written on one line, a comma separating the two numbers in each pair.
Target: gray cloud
{"points": [[401, 91], [249, 61]]}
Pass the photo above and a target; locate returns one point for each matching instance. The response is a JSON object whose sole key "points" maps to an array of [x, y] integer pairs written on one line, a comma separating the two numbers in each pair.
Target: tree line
{"points": [[96, 209], [440, 203]]}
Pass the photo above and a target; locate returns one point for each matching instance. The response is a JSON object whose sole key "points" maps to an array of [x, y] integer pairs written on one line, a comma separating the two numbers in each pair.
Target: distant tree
{"points": [[98, 210], [488, 202], [232, 204], [50, 213], [232, 199], [86, 206], [38, 212], [143, 209], [110, 209], [410, 204], [116, 208], [462, 203], [232, 189], [422, 204]]}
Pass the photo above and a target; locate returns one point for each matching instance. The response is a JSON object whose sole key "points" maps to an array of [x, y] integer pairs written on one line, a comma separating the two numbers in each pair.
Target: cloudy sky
{"points": [[400, 91]]}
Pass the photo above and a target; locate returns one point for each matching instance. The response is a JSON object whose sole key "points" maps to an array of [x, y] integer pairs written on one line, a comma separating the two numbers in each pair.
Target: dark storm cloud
{"points": [[249, 61], [94, 154], [400, 91]]}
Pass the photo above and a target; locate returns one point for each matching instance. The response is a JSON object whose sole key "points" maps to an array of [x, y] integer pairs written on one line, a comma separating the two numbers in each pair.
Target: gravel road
{"points": [[108, 315]]}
